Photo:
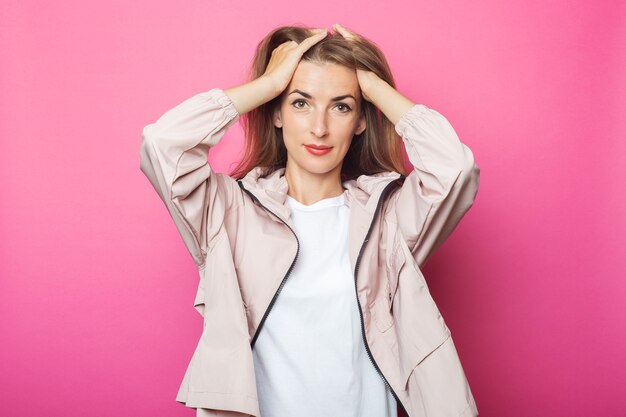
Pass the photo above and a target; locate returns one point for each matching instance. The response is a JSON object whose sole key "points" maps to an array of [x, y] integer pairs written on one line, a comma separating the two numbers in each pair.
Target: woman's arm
{"points": [[382, 95], [173, 156], [251, 95], [283, 62], [175, 148], [443, 184]]}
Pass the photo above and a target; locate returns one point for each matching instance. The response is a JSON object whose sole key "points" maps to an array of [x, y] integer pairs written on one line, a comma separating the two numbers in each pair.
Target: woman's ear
{"points": [[277, 118], [361, 125]]}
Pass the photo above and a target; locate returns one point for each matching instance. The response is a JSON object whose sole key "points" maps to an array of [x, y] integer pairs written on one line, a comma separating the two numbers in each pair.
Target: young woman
{"points": [[309, 253]]}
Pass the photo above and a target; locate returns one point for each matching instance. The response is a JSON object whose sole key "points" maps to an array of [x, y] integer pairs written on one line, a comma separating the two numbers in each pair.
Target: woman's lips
{"points": [[317, 151]]}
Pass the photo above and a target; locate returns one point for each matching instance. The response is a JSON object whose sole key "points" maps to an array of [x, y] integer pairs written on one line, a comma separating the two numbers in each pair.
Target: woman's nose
{"points": [[320, 125]]}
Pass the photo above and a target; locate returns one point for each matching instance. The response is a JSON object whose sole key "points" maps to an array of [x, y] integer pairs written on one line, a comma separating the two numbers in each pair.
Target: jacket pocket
{"points": [[382, 307], [419, 324], [428, 353], [438, 386]]}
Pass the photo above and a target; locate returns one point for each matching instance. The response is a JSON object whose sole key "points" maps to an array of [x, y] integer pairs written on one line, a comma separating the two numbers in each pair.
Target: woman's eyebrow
{"points": [[338, 98]]}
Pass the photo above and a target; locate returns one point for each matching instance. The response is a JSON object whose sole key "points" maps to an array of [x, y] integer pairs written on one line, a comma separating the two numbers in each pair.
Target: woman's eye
{"points": [[345, 107], [296, 102]]}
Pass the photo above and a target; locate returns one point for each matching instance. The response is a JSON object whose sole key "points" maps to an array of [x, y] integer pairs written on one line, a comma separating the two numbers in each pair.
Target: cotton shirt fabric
{"points": [[309, 358]]}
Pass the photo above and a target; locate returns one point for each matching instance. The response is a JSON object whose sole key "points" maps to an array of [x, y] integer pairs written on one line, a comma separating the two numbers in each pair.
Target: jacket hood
{"points": [[271, 191]]}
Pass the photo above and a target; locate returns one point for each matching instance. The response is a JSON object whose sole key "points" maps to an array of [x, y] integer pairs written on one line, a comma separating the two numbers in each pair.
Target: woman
{"points": [[321, 226]]}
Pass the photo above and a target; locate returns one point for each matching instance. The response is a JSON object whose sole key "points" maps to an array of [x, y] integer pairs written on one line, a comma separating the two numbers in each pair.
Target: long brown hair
{"points": [[378, 148]]}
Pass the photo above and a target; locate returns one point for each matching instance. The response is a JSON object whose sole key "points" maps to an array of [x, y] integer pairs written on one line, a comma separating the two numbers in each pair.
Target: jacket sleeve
{"points": [[173, 155], [442, 185]]}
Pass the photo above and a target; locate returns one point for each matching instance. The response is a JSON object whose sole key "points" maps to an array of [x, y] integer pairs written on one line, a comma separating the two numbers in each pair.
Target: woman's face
{"points": [[320, 106]]}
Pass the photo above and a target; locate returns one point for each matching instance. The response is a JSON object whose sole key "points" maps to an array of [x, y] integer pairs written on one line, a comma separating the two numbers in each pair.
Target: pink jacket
{"points": [[241, 238]]}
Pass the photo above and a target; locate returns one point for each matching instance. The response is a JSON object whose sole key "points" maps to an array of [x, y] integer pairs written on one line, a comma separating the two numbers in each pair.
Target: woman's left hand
{"points": [[376, 90], [368, 80]]}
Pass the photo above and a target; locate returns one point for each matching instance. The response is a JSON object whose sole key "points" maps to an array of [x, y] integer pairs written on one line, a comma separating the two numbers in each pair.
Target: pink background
{"points": [[96, 295]]}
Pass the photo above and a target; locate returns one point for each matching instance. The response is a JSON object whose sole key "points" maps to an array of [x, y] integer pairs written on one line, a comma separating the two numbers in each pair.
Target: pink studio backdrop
{"points": [[96, 290]]}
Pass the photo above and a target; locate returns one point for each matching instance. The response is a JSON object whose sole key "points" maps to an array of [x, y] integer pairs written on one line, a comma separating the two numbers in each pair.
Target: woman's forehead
{"points": [[324, 80]]}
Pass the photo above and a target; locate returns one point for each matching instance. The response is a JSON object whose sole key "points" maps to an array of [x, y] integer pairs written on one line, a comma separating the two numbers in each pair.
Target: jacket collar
{"points": [[271, 191]]}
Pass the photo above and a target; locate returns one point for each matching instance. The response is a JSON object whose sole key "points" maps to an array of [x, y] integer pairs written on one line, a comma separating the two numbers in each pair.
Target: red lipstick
{"points": [[317, 149]]}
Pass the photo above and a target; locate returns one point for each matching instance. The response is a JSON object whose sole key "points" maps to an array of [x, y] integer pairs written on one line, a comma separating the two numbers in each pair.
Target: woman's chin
{"points": [[318, 169]]}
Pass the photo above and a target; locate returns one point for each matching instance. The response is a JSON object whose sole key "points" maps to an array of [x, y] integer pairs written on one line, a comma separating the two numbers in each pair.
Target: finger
{"points": [[284, 45], [318, 33], [343, 31], [311, 40]]}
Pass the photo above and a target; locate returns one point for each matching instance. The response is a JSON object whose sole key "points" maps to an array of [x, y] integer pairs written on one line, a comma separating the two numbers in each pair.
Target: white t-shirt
{"points": [[310, 360]]}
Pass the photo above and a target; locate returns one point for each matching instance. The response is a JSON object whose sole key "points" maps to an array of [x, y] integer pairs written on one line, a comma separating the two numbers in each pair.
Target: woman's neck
{"points": [[309, 188]]}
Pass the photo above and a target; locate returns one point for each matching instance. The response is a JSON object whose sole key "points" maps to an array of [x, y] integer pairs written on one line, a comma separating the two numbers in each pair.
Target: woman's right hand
{"points": [[277, 76], [285, 59]]}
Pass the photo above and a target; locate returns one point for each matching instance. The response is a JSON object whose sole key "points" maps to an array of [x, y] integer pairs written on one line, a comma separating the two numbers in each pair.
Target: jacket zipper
{"points": [[282, 284], [356, 269]]}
